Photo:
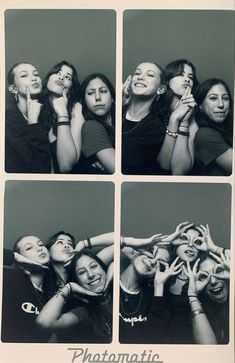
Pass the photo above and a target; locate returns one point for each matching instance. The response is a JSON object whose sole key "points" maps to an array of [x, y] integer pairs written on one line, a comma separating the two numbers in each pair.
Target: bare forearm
{"points": [[181, 161], [66, 150]]}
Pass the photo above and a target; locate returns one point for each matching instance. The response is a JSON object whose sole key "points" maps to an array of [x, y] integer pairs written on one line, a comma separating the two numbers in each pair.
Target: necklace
{"points": [[126, 300]]}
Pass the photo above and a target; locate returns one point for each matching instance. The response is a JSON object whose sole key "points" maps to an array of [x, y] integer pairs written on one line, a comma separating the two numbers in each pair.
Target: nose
{"points": [[90, 273], [61, 77], [220, 103], [186, 79], [213, 281], [140, 76], [33, 77], [40, 248], [97, 95], [67, 246]]}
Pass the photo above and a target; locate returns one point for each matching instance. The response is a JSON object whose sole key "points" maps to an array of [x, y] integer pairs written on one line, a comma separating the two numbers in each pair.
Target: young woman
{"points": [[143, 317], [25, 292], [177, 108], [142, 130], [26, 145], [89, 317], [98, 132], [214, 139], [63, 118]]}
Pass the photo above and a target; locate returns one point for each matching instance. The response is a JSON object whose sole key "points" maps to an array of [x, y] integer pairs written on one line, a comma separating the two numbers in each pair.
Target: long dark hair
{"points": [[225, 128], [73, 97], [72, 267], [51, 240], [172, 70], [87, 114]]}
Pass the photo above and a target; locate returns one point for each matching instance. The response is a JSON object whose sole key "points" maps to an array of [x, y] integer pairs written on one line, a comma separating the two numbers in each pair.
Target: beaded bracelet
{"points": [[197, 312], [66, 123], [171, 133], [64, 294]]}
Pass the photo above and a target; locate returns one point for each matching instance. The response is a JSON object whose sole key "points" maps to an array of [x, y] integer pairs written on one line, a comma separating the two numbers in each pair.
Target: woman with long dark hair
{"points": [[214, 139], [63, 116], [177, 110], [98, 132]]}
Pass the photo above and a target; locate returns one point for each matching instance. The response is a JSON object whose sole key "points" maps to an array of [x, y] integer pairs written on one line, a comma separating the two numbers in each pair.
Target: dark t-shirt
{"points": [[141, 143], [96, 137], [21, 304], [209, 145], [26, 147], [143, 318]]}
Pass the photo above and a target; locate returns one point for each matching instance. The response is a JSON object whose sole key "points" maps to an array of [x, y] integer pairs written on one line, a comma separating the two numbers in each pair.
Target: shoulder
{"points": [[206, 133], [93, 125]]}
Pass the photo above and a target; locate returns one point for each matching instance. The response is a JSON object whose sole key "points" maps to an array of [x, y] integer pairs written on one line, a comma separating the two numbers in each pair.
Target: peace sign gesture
{"points": [[33, 108]]}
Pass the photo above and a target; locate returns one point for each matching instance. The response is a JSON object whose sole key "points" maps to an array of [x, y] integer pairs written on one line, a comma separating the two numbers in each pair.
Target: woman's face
{"points": [[187, 250], [60, 81], [33, 248], [180, 83], [146, 266], [216, 104], [146, 80], [62, 250], [90, 274], [26, 76], [98, 98], [217, 288]]}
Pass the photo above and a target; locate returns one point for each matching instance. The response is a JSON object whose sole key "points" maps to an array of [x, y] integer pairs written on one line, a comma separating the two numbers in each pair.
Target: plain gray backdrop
{"points": [[85, 38], [205, 37], [42, 208], [150, 208]]}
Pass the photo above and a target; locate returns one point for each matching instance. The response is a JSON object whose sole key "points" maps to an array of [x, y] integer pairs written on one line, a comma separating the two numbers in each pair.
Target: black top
{"points": [[26, 146], [141, 143]]}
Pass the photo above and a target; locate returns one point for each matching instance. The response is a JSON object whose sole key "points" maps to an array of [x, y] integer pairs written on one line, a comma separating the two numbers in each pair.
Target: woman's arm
{"points": [[202, 330], [107, 159], [69, 138], [51, 318], [225, 160]]}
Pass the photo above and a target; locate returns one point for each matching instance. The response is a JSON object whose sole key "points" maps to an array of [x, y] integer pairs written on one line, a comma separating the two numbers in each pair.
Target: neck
{"points": [[140, 107], [130, 279], [61, 273], [37, 278], [22, 105]]}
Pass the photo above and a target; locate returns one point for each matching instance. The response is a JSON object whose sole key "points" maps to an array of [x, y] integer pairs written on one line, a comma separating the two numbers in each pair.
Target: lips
{"points": [[190, 253], [35, 85], [60, 83], [95, 282], [140, 84]]}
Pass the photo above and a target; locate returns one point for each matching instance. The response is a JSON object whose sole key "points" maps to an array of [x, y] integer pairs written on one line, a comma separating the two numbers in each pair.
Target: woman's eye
{"points": [[183, 238], [137, 73], [213, 98], [68, 78], [90, 93], [203, 277], [104, 91], [219, 269], [198, 242]]}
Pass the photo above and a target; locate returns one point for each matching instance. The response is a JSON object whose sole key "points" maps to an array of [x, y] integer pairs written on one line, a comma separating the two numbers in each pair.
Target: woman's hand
{"points": [[168, 270], [126, 92], [181, 228], [33, 108], [77, 289], [222, 269], [60, 105], [184, 108], [137, 243], [207, 236], [27, 263], [196, 283]]}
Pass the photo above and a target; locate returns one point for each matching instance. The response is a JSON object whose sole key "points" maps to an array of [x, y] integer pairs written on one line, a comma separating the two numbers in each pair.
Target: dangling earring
{"points": [[16, 97]]}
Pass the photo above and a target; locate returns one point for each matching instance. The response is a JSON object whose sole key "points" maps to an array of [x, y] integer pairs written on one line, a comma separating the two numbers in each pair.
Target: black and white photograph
{"points": [[175, 263], [60, 91], [58, 262], [178, 70]]}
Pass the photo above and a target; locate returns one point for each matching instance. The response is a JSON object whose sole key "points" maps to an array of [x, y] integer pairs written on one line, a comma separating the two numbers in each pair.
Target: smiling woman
{"points": [[142, 130]]}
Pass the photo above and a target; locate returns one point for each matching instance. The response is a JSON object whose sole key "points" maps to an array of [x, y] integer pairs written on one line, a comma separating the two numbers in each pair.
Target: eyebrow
{"points": [[217, 94]]}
